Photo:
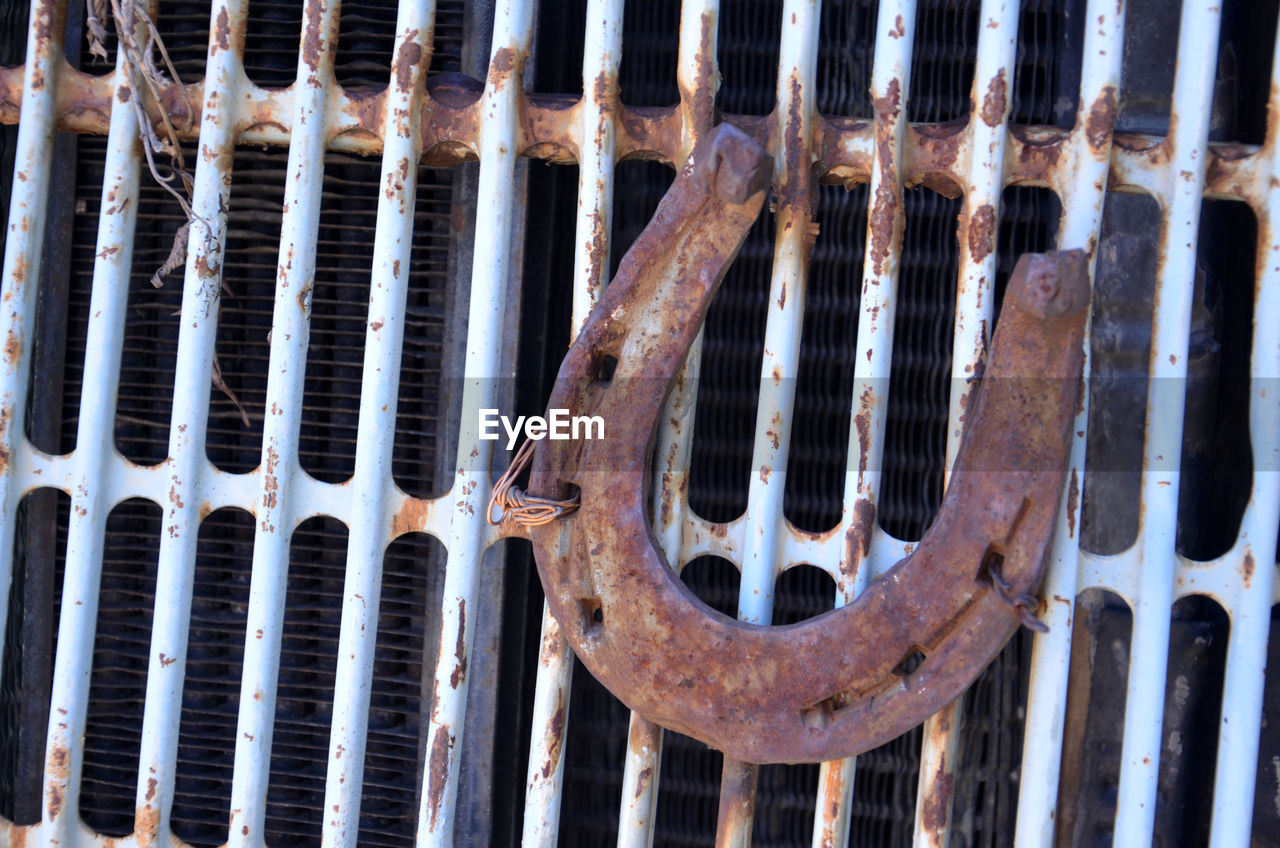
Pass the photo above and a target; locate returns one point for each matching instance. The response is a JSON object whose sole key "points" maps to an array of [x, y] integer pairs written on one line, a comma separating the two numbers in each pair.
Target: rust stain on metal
{"points": [[56, 775], [1246, 568], [547, 129], [12, 347], [459, 672], [1036, 155], [4, 441], [858, 537], [884, 210], [757, 696], [937, 804], [737, 800], [996, 100], [146, 821], [1073, 497], [407, 59], [699, 102], [438, 773], [863, 422], [222, 31], [270, 483], [1101, 120], [312, 36], [982, 233], [505, 63], [642, 781], [832, 798], [555, 738]]}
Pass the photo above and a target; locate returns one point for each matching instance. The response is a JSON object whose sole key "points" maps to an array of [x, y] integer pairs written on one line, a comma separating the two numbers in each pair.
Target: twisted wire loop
{"points": [[522, 508], [1023, 604]]}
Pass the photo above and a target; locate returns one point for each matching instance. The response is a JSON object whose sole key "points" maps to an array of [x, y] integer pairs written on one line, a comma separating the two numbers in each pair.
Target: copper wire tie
{"points": [[522, 508], [1022, 604]]}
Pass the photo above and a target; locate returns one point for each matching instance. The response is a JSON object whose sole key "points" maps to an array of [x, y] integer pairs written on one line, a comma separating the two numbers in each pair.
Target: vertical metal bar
{"points": [[94, 451], [766, 526], [697, 75], [513, 24], [987, 138], [602, 53], [1238, 730], [1083, 194], [1166, 400], [372, 484], [890, 87], [697, 79], [28, 206], [277, 511], [597, 141], [48, 365]]}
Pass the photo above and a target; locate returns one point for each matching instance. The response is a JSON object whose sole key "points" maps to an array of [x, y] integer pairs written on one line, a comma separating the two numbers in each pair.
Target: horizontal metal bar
{"points": [[547, 128]]}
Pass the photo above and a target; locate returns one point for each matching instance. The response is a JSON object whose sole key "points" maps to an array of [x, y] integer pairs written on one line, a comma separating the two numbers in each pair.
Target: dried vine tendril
{"points": [[140, 45]]}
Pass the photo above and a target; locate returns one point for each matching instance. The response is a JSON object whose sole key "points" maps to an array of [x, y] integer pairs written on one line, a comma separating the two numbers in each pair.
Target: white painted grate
{"points": [[498, 127]]}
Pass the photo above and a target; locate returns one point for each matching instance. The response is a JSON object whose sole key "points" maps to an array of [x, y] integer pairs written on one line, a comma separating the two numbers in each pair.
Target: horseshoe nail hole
{"points": [[910, 663], [824, 711], [592, 614], [992, 563], [605, 366]]}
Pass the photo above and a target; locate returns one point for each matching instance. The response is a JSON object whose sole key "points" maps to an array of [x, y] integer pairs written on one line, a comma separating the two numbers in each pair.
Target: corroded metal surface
{"points": [[806, 691], [933, 154]]}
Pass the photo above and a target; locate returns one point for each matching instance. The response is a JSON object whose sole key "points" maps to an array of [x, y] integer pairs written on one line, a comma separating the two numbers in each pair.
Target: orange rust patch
{"points": [[832, 797], [1102, 119], [459, 672], [982, 233], [884, 211], [438, 774], [938, 803], [995, 101], [222, 32], [858, 537], [312, 36], [407, 58], [642, 781], [555, 738], [1073, 497], [12, 347], [1247, 567], [411, 518]]}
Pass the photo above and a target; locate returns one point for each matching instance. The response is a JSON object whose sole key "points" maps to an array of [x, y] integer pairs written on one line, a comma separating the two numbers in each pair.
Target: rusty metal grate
{"points": [[972, 148]]}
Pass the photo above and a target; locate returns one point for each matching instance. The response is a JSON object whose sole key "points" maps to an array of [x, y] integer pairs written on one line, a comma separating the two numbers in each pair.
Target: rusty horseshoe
{"points": [[852, 678]]}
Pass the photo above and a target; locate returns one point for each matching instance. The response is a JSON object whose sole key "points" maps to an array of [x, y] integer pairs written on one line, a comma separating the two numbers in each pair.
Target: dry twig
{"points": [[140, 44]]}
